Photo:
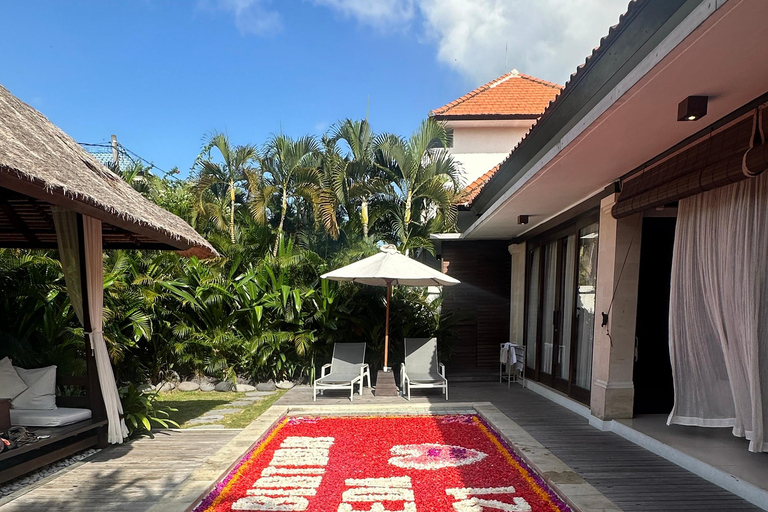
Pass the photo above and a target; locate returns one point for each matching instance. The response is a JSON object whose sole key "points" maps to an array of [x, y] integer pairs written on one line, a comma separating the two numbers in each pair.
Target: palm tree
{"points": [[362, 178], [289, 171], [425, 181], [222, 180]]}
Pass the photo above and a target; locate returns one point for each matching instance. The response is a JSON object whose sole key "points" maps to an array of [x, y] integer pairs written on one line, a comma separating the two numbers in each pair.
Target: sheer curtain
{"points": [[67, 236], [718, 325]]}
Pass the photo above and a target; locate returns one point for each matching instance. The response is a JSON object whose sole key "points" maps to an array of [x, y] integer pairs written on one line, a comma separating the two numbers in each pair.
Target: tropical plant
{"points": [[424, 182], [219, 184], [289, 174], [142, 411], [360, 180]]}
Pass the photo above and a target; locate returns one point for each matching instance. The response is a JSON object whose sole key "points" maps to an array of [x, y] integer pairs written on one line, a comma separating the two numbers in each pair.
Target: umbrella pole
{"points": [[386, 328]]}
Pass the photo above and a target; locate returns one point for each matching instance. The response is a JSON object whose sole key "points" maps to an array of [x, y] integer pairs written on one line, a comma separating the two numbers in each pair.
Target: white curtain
{"points": [[67, 237], [718, 325]]}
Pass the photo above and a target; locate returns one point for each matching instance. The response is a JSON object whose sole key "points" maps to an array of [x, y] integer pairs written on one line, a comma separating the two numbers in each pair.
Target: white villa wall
{"points": [[481, 148]]}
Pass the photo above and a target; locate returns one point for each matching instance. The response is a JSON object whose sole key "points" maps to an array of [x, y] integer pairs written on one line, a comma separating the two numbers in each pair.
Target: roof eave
{"points": [[643, 26], [18, 181]]}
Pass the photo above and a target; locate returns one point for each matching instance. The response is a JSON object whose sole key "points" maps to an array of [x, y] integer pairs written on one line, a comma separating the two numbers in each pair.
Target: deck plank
{"points": [[133, 477], [130, 477]]}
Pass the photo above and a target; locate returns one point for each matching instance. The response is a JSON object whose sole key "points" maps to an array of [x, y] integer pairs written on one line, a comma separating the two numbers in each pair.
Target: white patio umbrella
{"points": [[388, 268]]}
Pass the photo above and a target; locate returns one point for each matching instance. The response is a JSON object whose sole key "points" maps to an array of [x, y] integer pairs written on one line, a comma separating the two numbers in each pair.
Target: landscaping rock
{"points": [[244, 388], [207, 386], [266, 386], [166, 386], [284, 384], [143, 388], [224, 386], [188, 386]]}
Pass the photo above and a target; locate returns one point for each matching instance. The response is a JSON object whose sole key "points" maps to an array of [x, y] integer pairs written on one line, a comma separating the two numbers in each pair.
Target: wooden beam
{"points": [[56, 196], [17, 222]]}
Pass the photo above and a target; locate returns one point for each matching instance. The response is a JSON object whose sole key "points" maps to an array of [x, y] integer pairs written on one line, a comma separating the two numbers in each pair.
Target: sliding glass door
{"points": [[561, 275]]}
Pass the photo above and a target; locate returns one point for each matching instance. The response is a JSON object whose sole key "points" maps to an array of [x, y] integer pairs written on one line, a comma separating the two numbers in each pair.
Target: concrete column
{"points": [[618, 267], [517, 293]]}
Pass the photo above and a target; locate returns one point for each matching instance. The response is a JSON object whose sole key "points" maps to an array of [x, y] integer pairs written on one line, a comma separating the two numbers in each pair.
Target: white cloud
{"points": [[544, 38], [251, 16], [384, 15]]}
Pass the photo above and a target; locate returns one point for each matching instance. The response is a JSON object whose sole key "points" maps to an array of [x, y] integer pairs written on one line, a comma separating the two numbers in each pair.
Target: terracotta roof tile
{"points": [[512, 94], [473, 189]]}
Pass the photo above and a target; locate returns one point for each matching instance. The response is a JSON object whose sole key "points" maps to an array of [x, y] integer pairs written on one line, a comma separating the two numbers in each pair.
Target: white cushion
{"points": [[48, 418], [11, 385], [41, 390]]}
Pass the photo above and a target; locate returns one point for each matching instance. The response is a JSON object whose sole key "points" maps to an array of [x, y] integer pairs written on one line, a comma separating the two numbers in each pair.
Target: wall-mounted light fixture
{"points": [[692, 108], [522, 219]]}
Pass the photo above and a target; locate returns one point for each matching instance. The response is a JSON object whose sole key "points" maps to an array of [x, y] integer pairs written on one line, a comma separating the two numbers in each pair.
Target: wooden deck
{"points": [[127, 478], [630, 476], [135, 476]]}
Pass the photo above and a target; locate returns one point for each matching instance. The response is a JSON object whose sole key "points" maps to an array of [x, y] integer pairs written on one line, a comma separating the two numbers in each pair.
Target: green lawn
{"points": [[196, 403]]}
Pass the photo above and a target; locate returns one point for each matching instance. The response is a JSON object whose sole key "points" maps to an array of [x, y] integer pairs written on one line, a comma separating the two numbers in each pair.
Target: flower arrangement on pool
{"points": [[382, 464]]}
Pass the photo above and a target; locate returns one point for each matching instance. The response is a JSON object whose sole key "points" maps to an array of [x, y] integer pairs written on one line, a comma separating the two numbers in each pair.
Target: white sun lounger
{"points": [[347, 368], [421, 368]]}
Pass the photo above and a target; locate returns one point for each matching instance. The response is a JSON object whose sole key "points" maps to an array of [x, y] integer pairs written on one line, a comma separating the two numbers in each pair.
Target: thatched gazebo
{"points": [[55, 195]]}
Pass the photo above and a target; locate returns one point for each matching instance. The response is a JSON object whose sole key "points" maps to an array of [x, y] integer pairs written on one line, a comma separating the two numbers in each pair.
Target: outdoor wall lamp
{"points": [[692, 108], [522, 219]]}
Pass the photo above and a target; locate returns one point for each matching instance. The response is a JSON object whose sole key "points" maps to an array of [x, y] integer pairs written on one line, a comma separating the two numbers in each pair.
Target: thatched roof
{"points": [[40, 166]]}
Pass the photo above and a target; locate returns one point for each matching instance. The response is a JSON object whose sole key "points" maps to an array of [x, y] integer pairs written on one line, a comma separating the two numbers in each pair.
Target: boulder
{"points": [[207, 386], [166, 387], [188, 386], [224, 386], [284, 384], [244, 388], [265, 386], [143, 388]]}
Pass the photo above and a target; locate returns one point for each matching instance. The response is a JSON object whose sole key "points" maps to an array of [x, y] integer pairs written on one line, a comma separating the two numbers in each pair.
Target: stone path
{"points": [[211, 419]]}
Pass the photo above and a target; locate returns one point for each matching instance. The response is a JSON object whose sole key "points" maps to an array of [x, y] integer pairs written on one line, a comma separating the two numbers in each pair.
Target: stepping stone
{"points": [[206, 419], [250, 399], [241, 403], [207, 386], [188, 386], [224, 386], [218, 412], [259, 393], [244, 388], [207, 427]]}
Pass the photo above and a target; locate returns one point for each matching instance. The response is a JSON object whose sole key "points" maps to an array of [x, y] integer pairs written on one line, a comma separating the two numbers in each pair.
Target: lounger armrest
{"points": [[442, 369], [324, 370]]}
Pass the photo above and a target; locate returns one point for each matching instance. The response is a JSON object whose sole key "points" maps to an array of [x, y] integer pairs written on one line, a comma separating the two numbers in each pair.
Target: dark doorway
{"points": [[654, 393]]}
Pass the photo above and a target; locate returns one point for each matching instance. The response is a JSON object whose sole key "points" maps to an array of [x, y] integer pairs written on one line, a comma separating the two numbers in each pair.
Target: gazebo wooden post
{"points": [[95, 398]]}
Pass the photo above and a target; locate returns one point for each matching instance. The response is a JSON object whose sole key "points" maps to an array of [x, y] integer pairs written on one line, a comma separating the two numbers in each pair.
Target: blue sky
{"points": [[163, 74]]}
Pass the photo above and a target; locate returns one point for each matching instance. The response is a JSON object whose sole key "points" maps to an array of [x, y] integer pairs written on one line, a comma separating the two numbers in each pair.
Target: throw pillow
{"points": [[11, 385], [41, 391]]}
